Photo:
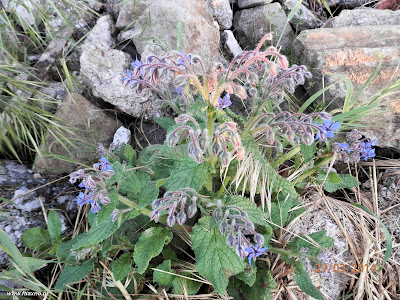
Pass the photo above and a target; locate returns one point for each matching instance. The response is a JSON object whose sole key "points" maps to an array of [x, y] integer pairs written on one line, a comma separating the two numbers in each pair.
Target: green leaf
{"points": [[168, 253], [164, 279], [72, 274], [319, 237], [36, 239], [9, 247], [215, 260], [136, 184], [54, 226], [334, 178], [182, 284], [106, 210], [64, 249], [260, 289], [188, 174], [164, 122], [129, 154], [122, 266], [304, 281], [248, 276], [150, 244], [308, 151], [96, 235], [255, 213], [346, 182]]}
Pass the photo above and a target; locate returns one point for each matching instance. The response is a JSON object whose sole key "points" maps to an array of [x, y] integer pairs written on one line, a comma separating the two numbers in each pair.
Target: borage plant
{"points": [[199, 212]]}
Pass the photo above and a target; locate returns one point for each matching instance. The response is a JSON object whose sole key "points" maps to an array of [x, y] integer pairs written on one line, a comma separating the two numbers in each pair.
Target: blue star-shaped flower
{"points": [[179, 90], [104, 165], [327, 130], [367, 152], [130, 78], [345, 147], [255, 251], [180, 60], [224, 102], [84, 198], [136, 63]]}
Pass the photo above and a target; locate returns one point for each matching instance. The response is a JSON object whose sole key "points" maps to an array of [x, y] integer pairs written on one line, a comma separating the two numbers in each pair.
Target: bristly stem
{"points": [[210, 121]]}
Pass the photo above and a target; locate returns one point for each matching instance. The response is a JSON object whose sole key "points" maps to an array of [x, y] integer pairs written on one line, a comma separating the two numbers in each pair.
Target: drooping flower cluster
{"points": [[236, 225], [187, 72], [91, 182], [285, 79], [356, 147], [180, 205], [269, 128], [226, 140]]}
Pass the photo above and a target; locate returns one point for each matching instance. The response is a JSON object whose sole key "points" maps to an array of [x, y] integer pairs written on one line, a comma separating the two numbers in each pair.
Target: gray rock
{"points": [[130, 12], [303, 18], [364, 17], [27, 11], [200, 34], [230, 43], [102, 70], [222, 12], [347, 3], [252, 3], [122, 136], [101, 34], [355, 54], [26, 200], [89, 125], [251, 25]]}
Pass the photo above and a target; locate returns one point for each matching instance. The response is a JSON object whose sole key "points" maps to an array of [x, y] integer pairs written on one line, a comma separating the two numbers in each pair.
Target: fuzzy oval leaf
{"points": [[122, 266], [54, 226], [96, 235], [215, 260], [72, 274], [36, 239], [304, 281], [162, 278], [150, 244]]}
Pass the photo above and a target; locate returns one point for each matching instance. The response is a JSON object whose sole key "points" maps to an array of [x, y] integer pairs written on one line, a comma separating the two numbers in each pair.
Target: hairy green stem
{"points": [[222, 188]]}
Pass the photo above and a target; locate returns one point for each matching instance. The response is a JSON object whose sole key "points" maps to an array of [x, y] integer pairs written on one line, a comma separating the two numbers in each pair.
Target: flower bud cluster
{"points": [[234, 223], [356, 147], [93, 182], [180, 205], [226, 142], [270, 128], [286, 79]]}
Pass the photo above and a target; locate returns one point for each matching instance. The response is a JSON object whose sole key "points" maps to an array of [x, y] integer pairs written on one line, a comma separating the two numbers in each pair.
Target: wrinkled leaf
{"points": [[150, 244], [215, 260]]}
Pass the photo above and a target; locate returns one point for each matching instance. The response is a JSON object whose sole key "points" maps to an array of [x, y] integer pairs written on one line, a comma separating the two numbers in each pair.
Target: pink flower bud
{"points": [[283, 62]]}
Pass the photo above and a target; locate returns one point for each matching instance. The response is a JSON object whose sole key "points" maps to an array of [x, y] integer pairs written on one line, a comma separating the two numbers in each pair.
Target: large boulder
{"points": [[364, 17], [103, 68], [303, 18], [222, 12], [252, 3], [199, 34], [88, 126], [354, 52], [251, 25]]}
